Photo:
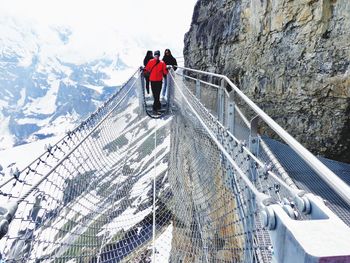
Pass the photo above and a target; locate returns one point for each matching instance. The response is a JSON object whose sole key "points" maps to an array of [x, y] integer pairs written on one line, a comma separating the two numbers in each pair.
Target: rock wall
{"points": [[290, 56]]}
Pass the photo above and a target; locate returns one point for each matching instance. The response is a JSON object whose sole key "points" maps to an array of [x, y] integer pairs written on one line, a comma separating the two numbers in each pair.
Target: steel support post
{"points": [[170, 98], [223, 102], [230, 113], [198, 89], [253, 136], [141, 92], [220, 102]]}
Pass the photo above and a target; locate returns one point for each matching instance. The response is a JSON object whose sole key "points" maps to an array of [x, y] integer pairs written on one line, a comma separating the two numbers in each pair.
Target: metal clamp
{"points": [[303, 204], [268, 218]]}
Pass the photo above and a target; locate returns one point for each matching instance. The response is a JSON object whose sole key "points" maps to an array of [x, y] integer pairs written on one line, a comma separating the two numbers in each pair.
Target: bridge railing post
{"points": [[170, 95], [221, 102], [230, 113], [254, 148], [141, 91], [198, 89]]}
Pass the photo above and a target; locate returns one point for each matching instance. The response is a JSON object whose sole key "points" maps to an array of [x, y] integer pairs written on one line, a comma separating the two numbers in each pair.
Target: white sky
{"points": [[96, 24]]}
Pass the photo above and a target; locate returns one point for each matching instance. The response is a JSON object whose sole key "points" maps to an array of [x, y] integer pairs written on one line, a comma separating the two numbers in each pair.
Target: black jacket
{"points": [[170, 60]]}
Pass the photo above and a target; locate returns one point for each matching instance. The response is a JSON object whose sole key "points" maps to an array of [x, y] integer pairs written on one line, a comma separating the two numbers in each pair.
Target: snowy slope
{"points": [[22, 155], [46, 86], [131, 190]]}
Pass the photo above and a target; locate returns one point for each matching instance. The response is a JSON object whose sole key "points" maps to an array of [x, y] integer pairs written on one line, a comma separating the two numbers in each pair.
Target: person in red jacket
{"points": [[158, 70]]}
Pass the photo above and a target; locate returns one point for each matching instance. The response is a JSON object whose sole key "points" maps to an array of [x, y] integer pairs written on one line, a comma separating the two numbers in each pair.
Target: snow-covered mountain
{"points": [[47, 86]]}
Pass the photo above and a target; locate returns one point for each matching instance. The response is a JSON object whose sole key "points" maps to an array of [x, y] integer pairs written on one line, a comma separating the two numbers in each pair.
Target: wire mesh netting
{"points": [[221, 223], [123, 187], [273, 157], [92, 192]]}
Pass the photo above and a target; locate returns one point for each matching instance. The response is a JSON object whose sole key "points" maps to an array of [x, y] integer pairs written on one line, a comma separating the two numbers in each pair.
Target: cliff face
{"points": [[290, 57]]}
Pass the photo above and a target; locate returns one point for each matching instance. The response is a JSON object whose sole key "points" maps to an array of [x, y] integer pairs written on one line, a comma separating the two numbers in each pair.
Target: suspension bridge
{"points": [[213, 179]]}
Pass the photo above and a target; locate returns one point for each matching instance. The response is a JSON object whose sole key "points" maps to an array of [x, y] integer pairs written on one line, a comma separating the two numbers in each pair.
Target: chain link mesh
{"points": [[123, 187], [89, 197], [94, 203], [219, 222]]}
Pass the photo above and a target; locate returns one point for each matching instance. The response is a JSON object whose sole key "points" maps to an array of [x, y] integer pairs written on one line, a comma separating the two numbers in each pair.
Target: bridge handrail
{"points": [[261, 197], [322, 170]]}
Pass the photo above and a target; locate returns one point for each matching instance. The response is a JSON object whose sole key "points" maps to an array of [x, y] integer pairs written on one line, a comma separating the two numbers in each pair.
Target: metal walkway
{"points": [[308, 180], [201, 183]]}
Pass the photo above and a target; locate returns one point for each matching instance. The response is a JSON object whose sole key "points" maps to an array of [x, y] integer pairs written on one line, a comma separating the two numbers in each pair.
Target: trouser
{"points": [[147, 85], [156, 88], [165, 85]]}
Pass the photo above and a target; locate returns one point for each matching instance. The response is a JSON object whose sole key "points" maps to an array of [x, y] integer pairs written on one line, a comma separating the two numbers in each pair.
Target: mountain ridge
{"points": [[43, 91]]}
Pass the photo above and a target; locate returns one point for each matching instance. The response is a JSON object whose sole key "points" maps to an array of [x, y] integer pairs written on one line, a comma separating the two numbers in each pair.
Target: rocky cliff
{"points": [[291, 57]]}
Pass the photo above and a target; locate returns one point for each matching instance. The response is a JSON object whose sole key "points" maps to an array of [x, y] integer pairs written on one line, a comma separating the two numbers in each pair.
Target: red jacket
{"points": [[158, 71]]}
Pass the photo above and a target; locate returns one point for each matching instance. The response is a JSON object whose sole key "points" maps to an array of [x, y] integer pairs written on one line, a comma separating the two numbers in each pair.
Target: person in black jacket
{"points": [[169, 60], [148, 57]]}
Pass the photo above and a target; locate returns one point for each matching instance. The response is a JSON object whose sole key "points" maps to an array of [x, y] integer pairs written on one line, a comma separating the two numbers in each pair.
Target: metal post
{"points": [[223, 102], [198, 89], [220, 105], [169, 83], [170, 98], [254, 146], [253, 137], [218, 101], [230, 116], [142, 92]]}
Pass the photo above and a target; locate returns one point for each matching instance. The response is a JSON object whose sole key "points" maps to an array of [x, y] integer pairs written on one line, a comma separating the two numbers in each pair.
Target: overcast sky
{"points": [[96, 22]]}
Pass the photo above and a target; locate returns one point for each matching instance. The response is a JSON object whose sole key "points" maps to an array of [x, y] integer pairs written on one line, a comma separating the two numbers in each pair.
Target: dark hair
{"points": [[149, 55], [167, 50]]}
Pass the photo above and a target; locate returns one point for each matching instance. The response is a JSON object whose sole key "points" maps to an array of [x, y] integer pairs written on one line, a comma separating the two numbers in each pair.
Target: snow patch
{"points": [[45, 104], [61, 125], [6, 138], [24, 154], [21, 101], [3, 104], [98, 89], [117, 77], [163, 245]]}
